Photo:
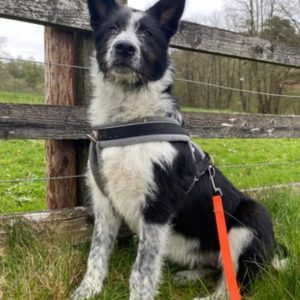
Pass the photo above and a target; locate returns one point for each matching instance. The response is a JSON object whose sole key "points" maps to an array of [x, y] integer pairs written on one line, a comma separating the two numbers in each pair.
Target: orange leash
{"points": [[228, 267]]}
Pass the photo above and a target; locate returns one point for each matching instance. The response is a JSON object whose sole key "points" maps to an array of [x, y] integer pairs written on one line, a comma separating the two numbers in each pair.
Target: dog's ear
{"points": [[99, 9], [168, 12]]}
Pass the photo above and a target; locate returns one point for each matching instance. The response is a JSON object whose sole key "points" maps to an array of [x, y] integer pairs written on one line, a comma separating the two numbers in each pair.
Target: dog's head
{"points": [[132, 47]]}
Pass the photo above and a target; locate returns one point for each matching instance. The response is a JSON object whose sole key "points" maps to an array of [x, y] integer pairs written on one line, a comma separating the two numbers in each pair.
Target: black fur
{"points": [[108, 19], [192, 214], [189, 214]]}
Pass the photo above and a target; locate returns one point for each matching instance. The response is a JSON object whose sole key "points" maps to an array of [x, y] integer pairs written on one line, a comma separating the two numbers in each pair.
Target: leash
{"points": [[228, 267]]}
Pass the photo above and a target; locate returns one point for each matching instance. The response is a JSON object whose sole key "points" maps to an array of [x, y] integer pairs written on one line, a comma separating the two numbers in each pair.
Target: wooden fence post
{"points": [[84, 49], [59, 90]]}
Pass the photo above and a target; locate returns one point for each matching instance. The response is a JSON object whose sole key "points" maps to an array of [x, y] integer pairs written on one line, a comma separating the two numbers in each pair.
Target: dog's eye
{"points": [[147, 33], [113, 28]]}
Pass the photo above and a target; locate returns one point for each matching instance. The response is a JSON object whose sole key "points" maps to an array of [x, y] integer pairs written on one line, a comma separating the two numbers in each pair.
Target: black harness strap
{"points": [[144, 131], [148, 130], [95, 166]]}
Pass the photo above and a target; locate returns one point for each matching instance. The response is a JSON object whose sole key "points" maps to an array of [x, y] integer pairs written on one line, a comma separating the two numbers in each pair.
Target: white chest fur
{"points": [[130, 178]]}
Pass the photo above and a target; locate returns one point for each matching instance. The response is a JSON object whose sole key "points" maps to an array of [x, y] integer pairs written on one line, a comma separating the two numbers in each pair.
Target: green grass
{"points": [[255, 151], [18, 97], [35, 268], [51, 268], [25, 159], [22, 159]]}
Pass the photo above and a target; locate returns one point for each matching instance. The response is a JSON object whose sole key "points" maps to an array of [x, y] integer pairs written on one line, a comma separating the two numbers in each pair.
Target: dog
{"points": [[145, 183]]}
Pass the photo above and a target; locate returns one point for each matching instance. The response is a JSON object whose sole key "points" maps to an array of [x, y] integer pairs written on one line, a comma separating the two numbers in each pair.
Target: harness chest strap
{"points": [[142, 131]]}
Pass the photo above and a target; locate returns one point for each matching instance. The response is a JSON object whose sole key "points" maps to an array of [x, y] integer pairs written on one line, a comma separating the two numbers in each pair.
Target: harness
{"points": [[169, 130], [142, 131]]}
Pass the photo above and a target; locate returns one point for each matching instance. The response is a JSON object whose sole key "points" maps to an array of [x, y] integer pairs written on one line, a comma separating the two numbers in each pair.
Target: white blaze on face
{"points": [[128, 35]]}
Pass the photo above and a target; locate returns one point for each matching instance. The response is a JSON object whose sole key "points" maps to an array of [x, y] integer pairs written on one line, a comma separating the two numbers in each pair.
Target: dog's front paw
{"points": [[188, 276], [184, 277], [83, 293]]}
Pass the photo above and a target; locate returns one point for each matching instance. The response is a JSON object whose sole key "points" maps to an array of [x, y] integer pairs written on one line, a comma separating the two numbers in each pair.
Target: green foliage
{"points": [[21, 76], [241, 74], [281, 30]]}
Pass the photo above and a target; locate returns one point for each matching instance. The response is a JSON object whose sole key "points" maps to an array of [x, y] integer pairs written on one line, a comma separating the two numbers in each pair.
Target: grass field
{"points": [[39, 269], [18, 97], [49, 268], [22, 159], [25, 159]]}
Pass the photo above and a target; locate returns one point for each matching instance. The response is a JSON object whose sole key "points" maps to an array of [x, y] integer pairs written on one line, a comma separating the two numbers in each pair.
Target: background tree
{"points": [[262, 18]]}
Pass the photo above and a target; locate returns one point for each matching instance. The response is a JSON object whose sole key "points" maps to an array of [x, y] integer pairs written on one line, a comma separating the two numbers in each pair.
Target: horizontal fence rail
{"points": [[23, 121], [73, 15], [77, 223]]}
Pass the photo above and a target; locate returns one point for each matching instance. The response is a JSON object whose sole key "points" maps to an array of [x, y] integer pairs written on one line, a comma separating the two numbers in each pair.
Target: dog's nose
{"points": [[125, 49]]}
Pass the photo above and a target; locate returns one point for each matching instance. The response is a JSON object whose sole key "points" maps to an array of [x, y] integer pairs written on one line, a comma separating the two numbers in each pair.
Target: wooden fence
{"points": [[62, 120]]}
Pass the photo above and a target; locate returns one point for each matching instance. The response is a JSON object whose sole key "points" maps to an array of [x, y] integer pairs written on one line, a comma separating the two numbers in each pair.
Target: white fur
{"points": [[148, 264], [110, 103], [129, 174], [239, 239], [107, 224], [193, 275], [280, 264], [186, 252], [128, 35]]}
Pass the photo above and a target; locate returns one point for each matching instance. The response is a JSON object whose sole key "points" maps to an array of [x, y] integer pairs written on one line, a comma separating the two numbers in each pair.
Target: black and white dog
{"points": [[145, 184]]}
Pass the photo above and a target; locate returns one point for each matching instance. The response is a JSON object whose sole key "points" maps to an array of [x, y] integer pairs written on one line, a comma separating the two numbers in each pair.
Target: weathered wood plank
{"points": [[223, 125], [73, 14], [76, 223], [43, 122], [211, 40], [62, 122]]}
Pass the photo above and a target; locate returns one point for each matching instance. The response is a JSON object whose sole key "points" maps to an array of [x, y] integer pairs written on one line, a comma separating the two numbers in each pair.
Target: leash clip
{"points": [[93, 136], [212, 173]]}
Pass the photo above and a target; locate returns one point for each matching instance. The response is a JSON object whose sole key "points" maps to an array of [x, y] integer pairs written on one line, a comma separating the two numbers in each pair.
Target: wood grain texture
{"points": [[217, 41], [73, 14], [62, 122], [223, 125], [60, 90], [23, 121], [76, 223], [84, 47]]}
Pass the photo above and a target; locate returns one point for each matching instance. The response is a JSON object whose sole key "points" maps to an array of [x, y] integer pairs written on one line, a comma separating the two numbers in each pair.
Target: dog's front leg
{"points": [[147, 267], [107, 224]]}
